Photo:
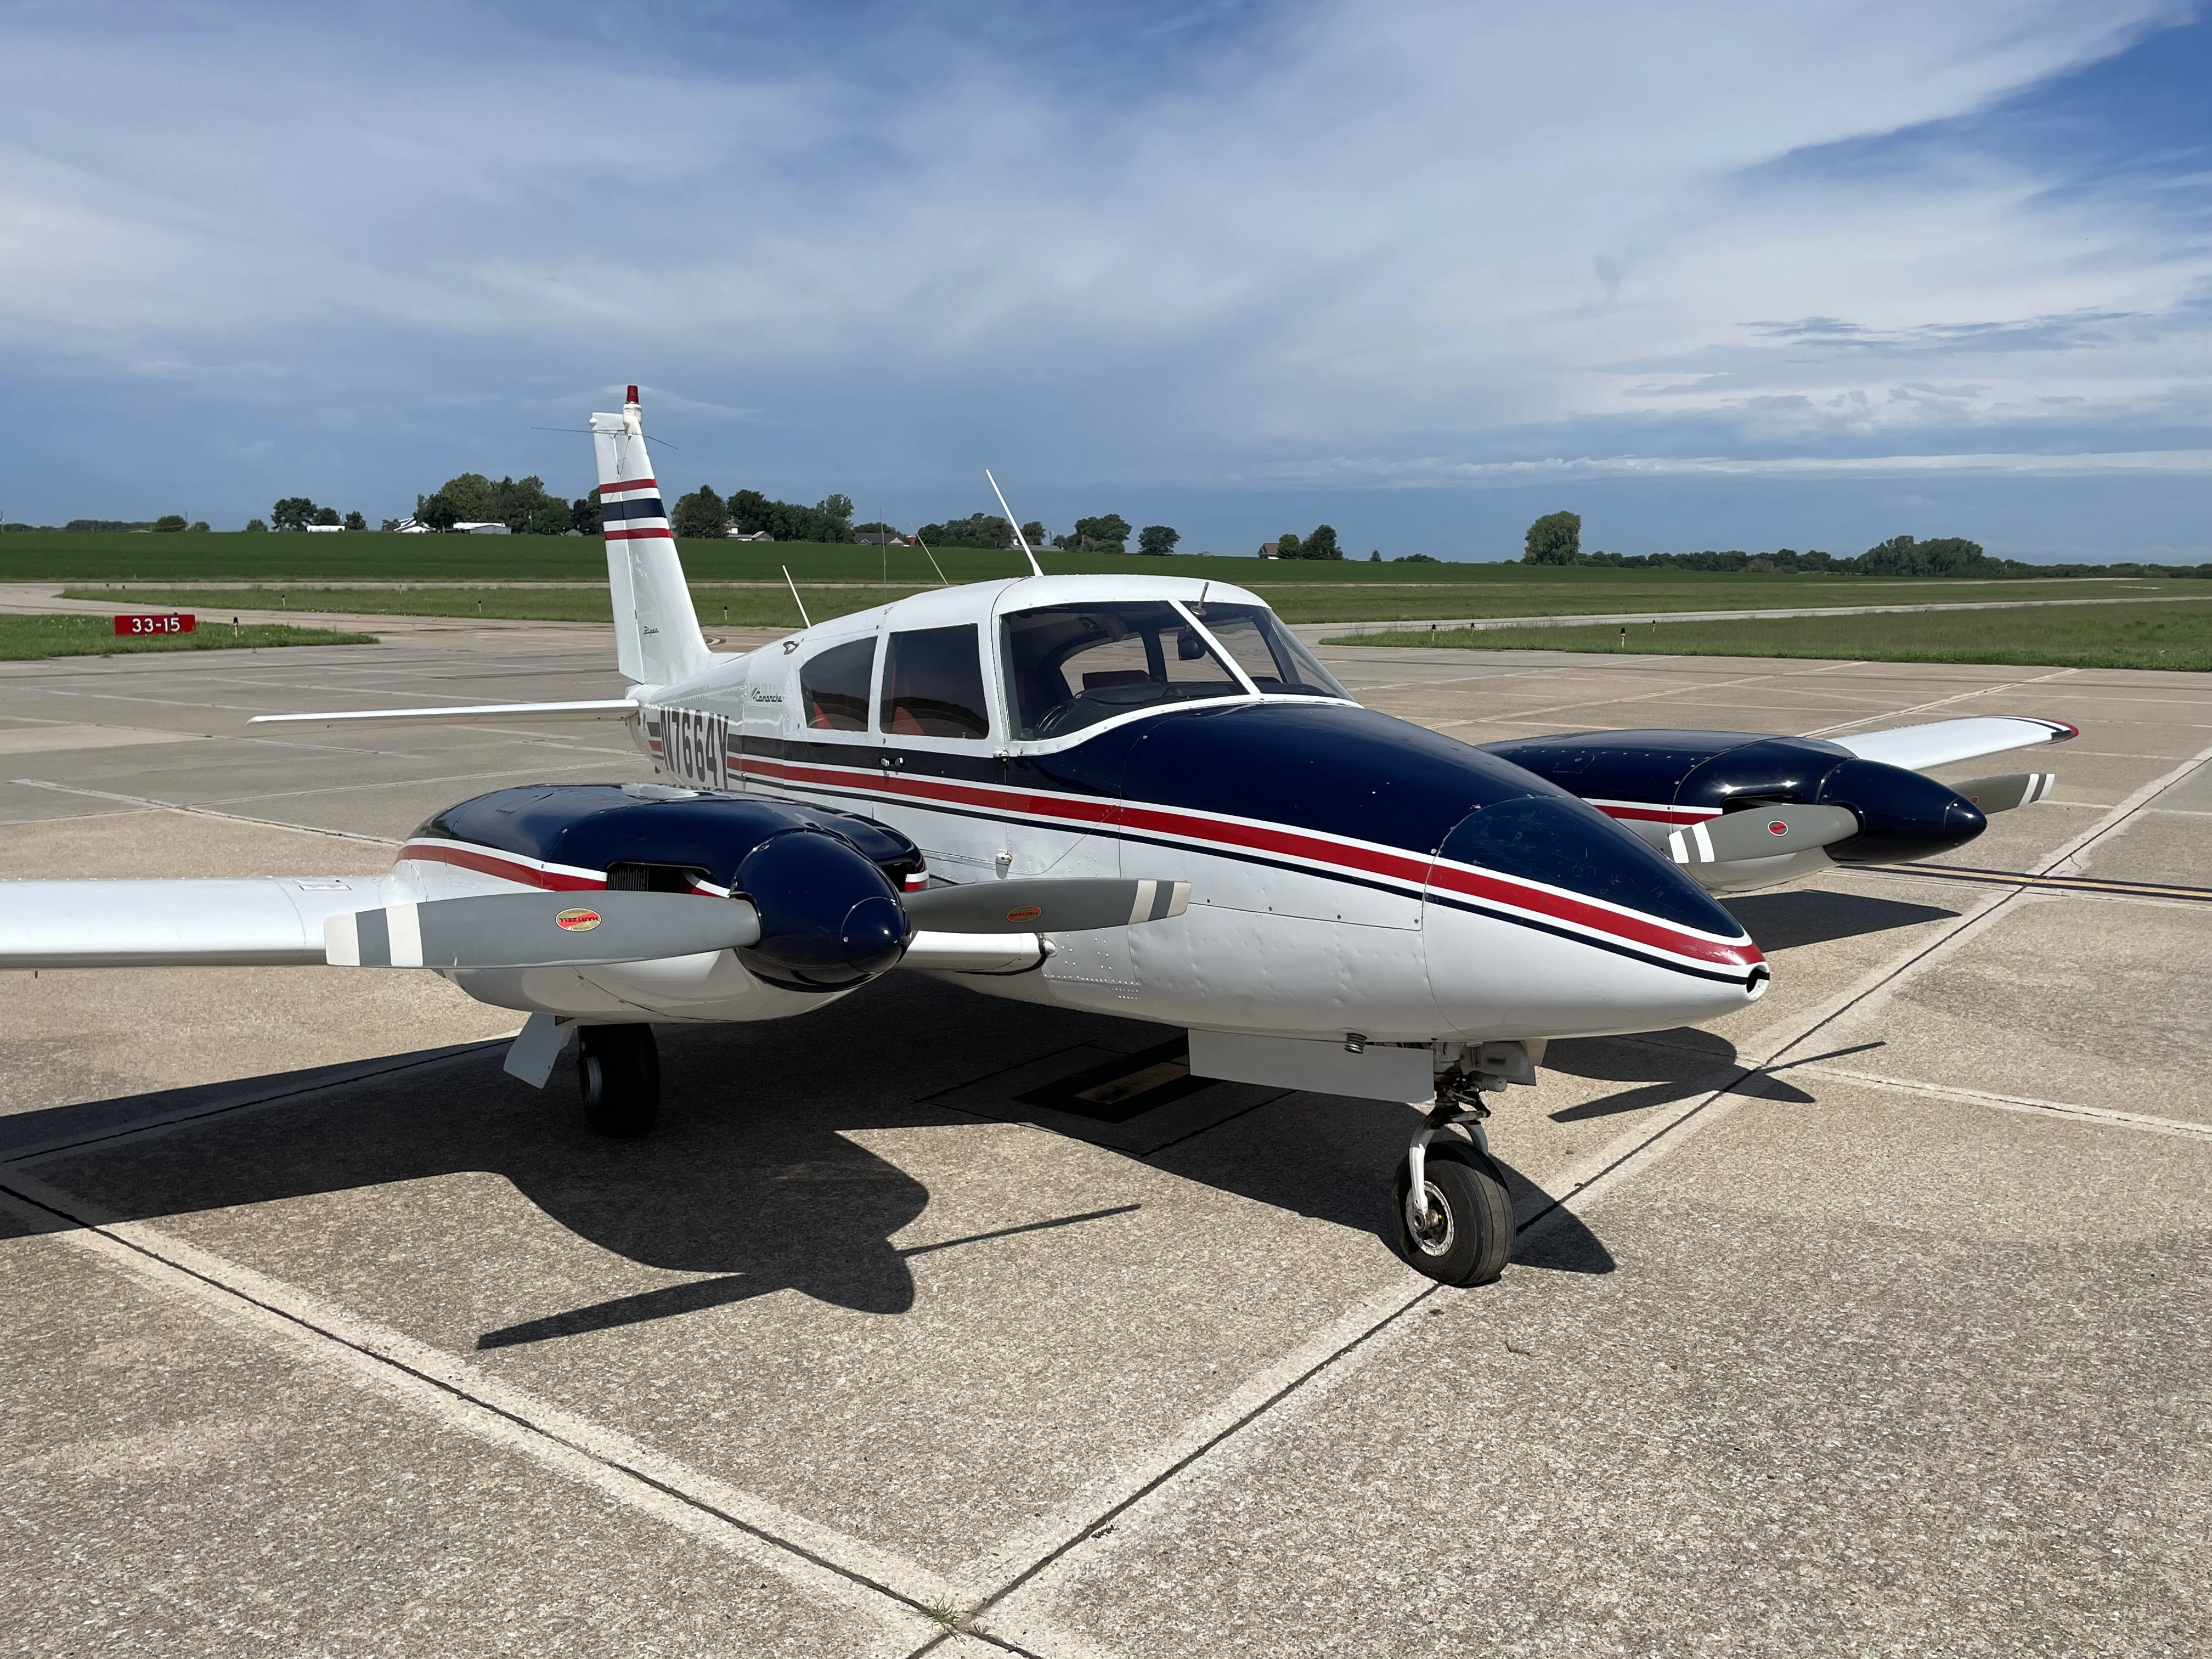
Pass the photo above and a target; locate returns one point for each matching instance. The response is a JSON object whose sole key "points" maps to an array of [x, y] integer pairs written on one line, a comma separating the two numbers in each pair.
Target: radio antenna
{"points": [[1036, 569], [805, 620], [931, 557]]}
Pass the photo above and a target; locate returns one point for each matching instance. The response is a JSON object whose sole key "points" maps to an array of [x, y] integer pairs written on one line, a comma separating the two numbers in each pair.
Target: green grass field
{"points": [[738, 607], [2171, 635], [23, 639], [1354, 591], [768, 603]]}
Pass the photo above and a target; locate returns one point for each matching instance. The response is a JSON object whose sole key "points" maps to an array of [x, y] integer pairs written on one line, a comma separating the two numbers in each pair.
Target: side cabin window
{"points": [[1071, 666], [833, 687], [1276, 659], [934, 684]]}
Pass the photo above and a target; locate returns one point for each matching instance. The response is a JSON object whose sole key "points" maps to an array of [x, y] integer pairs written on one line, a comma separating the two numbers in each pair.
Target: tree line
{"points": [[1556, 538], [1320, 544], [750, 513]]}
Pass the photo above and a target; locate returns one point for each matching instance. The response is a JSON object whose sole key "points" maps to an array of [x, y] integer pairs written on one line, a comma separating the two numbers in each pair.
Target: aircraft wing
{"points": [[608, 708], [256, 922], [1916, 748]]}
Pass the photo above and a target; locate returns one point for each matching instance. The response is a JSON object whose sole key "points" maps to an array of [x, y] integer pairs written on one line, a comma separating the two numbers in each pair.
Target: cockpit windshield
{"points": [[1071, 666], [1275, 659]]}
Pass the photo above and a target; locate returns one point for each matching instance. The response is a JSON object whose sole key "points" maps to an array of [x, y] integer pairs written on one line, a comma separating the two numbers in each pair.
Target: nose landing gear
{"points": [[618, 1074], [1448, 1206]]}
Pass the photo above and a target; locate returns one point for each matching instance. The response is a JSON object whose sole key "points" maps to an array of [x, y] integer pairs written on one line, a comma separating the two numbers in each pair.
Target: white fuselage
{"points": [[1291, 931]]}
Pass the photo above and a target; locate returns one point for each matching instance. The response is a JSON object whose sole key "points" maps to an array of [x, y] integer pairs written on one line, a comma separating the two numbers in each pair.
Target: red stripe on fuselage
{"points": [[628, 484], [505, 866], [1648, 814], [638, 535], [1413, 869]]}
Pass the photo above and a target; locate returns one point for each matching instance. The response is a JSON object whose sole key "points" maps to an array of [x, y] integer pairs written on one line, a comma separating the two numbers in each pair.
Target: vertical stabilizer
{"points": [[657, 635]]}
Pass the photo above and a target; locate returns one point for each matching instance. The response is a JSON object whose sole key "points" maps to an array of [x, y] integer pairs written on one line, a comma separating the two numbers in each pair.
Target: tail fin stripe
{"points": [[657, 637]]}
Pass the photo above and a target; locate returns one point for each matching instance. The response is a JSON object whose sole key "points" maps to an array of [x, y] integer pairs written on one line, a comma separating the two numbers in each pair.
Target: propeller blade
{"points": [[1652, 832], [1761, 832], [1046, 905], [2013, 789], [537, 930]]}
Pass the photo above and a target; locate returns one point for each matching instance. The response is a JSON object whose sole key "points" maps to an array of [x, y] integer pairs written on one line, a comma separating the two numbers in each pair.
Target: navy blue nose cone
{"points": [[829, 919], [1903, 815]]}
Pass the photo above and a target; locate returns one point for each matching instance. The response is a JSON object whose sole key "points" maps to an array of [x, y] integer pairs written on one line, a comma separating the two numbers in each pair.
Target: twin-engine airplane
{"points": [[1137, 795]]}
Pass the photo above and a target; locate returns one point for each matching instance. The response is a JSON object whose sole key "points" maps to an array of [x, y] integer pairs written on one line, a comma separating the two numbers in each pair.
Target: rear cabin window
{"points": [[833, 688], [1071, 666], [934, 684]]}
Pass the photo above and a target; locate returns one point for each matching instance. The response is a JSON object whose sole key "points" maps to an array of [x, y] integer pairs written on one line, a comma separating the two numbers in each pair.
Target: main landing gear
{"points": [[618, 1074], [1448, 1204]]}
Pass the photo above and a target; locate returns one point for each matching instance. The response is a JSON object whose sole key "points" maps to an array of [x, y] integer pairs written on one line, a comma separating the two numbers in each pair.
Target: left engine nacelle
{"points": [[828, 919]]}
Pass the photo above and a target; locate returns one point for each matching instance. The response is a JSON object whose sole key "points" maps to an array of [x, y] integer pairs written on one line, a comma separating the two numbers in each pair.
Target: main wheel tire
{"points": [[1467, 1234], [618, 1074]]}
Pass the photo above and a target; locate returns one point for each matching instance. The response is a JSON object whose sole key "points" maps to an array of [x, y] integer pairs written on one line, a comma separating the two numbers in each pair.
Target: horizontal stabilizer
{"points": [[261, 922], [1764, 832], [1046, 904], [1916, 748], [538, 930], [2014, 789], [610, 708]]}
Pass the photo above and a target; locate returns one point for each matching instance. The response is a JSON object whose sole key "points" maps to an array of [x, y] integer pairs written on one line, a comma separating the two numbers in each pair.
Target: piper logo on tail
{"points": [[577, 921]]}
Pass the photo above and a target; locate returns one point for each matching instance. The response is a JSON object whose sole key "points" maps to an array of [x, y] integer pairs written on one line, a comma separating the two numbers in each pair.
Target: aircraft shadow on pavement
{"points": [[1812, 915], [752, 1177], [1665, 1067]]}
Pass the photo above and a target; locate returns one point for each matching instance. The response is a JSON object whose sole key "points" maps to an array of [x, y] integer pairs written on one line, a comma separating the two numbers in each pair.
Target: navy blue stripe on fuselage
{"points": [[1325, 872]]}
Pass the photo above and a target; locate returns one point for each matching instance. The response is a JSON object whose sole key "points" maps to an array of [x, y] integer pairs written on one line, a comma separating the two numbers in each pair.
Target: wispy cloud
{"points": [[1427, 471], [1184, 242]]}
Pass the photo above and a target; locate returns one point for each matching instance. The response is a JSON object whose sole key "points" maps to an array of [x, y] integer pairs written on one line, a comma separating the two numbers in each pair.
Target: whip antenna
{"points": [[805, 620], [1036, 569], [931, 557]]}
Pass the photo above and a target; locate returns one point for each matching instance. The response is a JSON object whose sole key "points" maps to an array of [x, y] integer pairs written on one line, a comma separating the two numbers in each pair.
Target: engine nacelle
{"points": [[1903, 815], [829, 919]]}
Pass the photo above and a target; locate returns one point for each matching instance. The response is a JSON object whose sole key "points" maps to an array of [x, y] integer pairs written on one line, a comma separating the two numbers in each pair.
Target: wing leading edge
{"points": [[259, 922], [1916, 748], [606, 708]]}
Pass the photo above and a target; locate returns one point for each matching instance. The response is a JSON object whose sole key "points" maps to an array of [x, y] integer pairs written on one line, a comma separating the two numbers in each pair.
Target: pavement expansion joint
{"points": [[2090, 885], [1002, 1598], [797, 1549], [1591, 1180], [2140, 1121], [202, 811], [1971, 924], [161, 1123], [1893, 715]]}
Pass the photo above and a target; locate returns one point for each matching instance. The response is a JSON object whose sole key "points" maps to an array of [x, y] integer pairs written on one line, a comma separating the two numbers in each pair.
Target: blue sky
{"points": [[1711, 275]]}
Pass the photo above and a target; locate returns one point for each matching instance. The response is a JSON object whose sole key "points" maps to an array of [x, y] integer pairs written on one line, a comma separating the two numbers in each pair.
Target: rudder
{"points": [[657, 637]]}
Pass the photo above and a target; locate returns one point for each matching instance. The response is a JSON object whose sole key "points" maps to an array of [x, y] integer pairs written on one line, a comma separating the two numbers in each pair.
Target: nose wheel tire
{"points": [[618, 1074], [1463, 1234]]}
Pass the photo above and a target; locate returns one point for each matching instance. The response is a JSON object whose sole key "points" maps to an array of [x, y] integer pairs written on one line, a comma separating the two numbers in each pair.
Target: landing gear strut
{"points": [[618, 1074], [1453, 1219], [1448, 1206]]}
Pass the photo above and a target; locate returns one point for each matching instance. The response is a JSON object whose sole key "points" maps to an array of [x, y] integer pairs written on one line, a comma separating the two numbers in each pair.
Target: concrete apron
{"points": [[908, 1364]]}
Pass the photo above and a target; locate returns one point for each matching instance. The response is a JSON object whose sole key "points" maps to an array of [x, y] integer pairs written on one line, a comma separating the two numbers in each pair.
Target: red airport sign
{"points": [[175, 622]]}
